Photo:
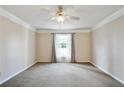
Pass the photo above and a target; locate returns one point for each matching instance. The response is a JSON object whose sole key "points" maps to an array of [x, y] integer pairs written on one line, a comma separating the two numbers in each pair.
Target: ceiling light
{"points": [[60, 16]]}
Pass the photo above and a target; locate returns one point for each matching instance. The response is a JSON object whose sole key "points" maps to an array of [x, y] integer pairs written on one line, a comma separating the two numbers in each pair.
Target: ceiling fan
{"points": [[60, 15]]}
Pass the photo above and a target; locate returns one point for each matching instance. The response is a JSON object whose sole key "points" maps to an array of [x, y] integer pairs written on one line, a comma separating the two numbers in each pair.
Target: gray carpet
{"points": [[62, 75]]}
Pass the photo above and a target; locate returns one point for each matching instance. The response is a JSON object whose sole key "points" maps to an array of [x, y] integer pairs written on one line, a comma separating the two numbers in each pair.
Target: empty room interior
{"points": [[61, 45]]}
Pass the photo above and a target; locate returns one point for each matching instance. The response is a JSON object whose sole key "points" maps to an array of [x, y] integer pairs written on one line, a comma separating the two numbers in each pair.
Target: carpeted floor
{"points": [[62, 75]]}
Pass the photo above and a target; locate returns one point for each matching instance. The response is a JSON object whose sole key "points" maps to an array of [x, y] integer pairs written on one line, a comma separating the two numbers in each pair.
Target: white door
{"points": [[63, 47]]}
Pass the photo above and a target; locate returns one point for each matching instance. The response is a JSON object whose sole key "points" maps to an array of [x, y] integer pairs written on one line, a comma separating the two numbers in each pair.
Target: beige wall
{"points": [[0, 46], [44, 47], [82, 47], [30, 48], [108, 48], [14, 49]]}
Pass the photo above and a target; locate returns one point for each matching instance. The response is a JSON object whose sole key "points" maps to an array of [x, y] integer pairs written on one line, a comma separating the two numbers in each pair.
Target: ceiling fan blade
{"points": [[53, 18], [73, 17]]}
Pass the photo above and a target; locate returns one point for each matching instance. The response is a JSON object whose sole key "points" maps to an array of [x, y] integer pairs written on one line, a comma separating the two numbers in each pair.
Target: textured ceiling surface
{"points": [[39, 16]]}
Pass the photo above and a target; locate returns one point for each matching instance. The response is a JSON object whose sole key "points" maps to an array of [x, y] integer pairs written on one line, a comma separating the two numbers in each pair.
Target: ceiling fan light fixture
{"points": [[60, 19], [60, 16]]}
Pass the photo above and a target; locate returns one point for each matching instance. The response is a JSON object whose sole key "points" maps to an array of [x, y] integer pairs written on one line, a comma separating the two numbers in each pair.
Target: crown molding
{"points": [[110, 18], [63, 30], [15, 19]]}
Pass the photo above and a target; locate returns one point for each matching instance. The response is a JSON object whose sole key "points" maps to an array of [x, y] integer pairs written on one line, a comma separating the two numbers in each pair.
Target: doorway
{"points": [[63, 47]]}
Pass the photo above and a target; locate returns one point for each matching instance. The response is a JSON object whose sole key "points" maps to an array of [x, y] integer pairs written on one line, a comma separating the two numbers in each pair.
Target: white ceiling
{"points": [[36, 16]]}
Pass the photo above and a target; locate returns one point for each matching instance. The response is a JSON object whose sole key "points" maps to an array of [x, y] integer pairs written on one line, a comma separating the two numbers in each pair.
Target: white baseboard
{"points": [[114, 77], [83, 61], [65, 62], [42, 62], [1, 82]]}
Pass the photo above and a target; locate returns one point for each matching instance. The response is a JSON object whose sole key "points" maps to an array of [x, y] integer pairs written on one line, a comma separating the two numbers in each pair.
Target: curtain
{"points": [[73, 49], [53, 49]]}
